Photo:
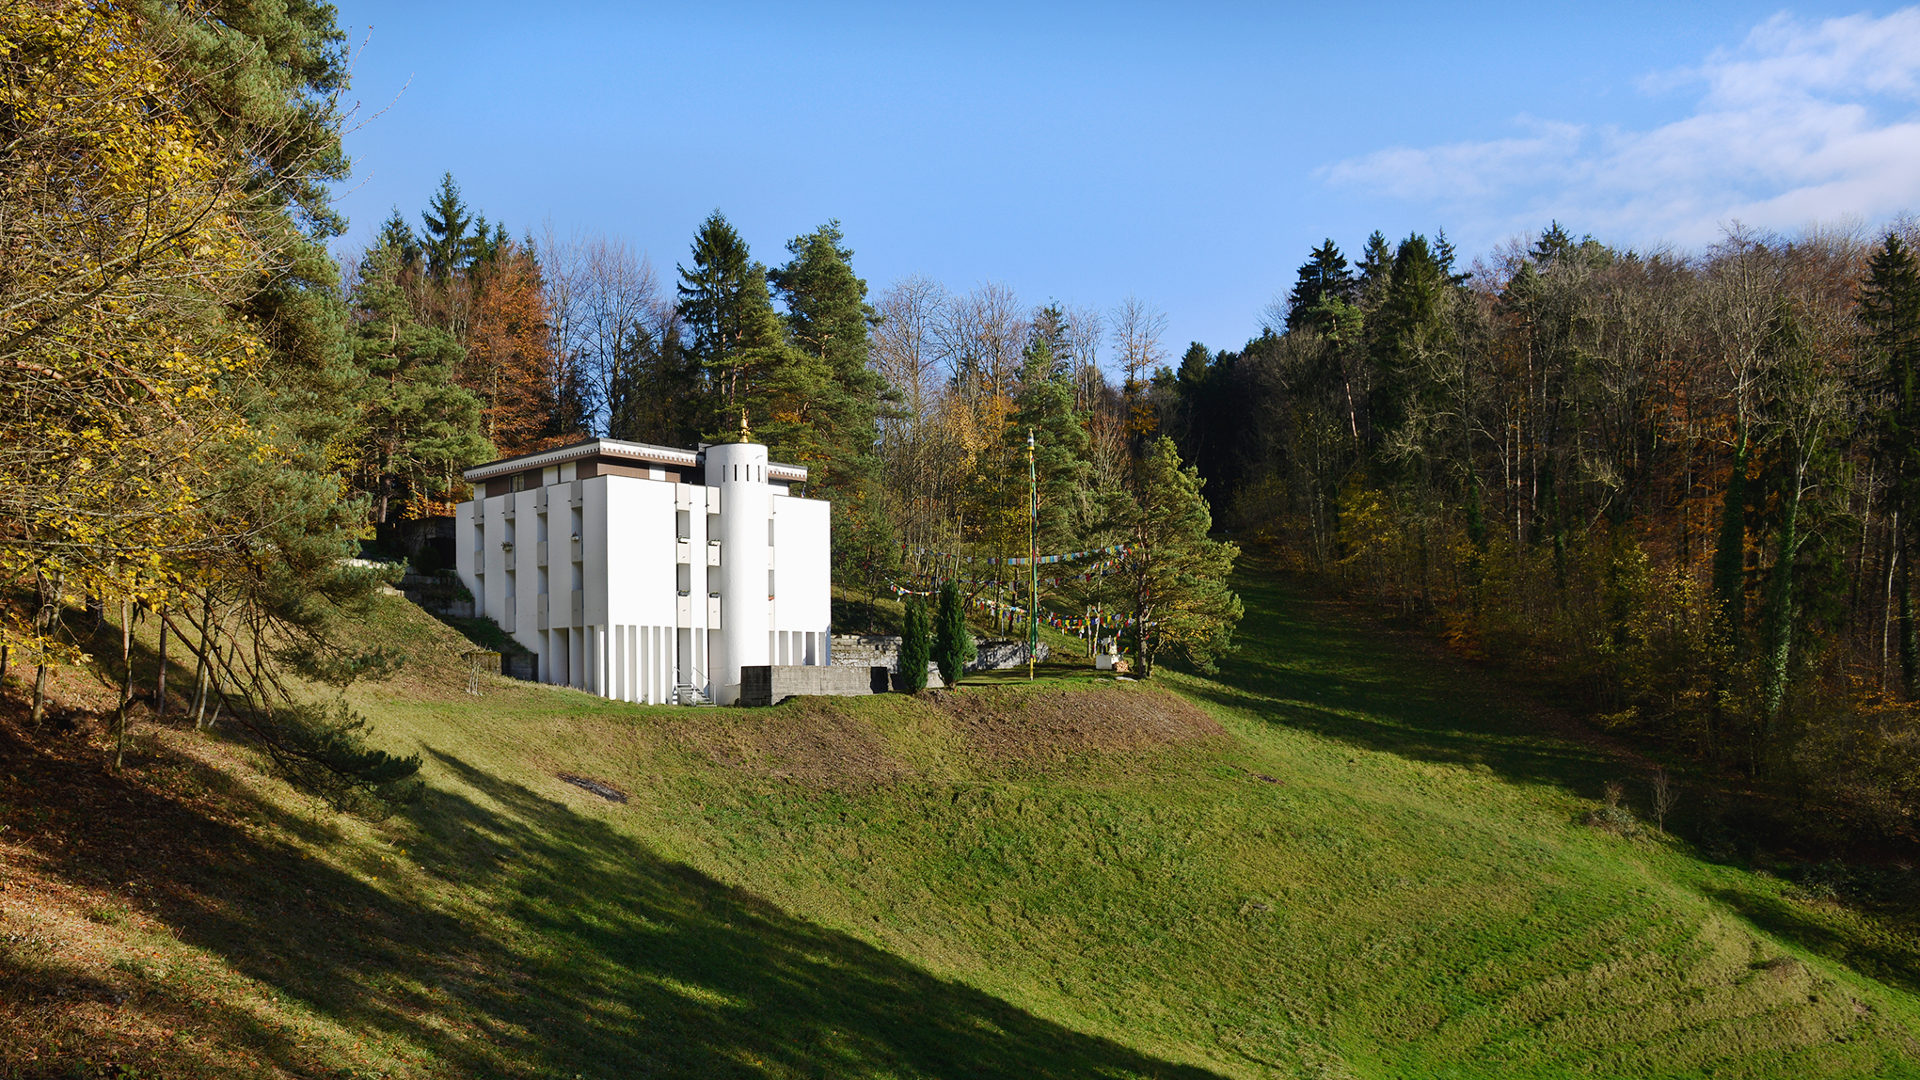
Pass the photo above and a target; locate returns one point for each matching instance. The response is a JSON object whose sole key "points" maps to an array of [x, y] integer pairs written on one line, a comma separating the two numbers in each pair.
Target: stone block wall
{"points": [[883, 650]]}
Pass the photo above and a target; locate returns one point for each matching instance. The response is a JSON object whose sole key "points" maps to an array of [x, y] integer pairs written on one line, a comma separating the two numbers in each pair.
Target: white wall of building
{"points": [[667, 584]]}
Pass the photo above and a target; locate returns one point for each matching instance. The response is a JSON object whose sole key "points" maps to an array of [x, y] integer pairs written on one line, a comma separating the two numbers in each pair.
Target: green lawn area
{"points": [[1341, 857]]}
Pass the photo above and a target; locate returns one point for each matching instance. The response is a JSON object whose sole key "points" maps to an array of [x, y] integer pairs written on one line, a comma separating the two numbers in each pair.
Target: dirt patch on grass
{"points": [[811, 740], [1046, 724]]}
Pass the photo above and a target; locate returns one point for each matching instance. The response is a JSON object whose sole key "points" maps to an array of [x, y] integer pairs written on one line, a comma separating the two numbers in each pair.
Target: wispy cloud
{"points": [[1798, 124]]}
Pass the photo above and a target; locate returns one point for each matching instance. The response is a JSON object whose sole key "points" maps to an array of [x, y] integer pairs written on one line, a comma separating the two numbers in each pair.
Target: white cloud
{"points": [[1798, 124]]}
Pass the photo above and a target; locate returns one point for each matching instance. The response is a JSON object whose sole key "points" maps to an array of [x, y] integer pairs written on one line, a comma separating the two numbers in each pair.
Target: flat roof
{"points": [[616, 450]]}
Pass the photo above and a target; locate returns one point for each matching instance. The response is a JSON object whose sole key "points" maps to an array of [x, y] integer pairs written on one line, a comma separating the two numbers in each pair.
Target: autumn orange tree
{"points": [[510, 353]]}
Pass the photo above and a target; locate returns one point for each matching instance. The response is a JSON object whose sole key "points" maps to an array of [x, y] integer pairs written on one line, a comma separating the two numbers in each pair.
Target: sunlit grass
{"points": [[1360, 862]]}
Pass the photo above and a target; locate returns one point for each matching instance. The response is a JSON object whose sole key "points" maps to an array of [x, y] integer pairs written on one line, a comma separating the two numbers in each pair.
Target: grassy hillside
{"points": [[1343, 857]]}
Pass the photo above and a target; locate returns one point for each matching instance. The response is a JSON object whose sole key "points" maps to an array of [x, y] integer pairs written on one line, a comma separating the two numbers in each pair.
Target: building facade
{"points": [[646, 573]]}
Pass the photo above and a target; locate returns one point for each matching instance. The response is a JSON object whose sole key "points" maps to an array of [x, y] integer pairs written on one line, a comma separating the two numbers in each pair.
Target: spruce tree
{"points": [[763, 386], [828, 317], [1324, 281], [447, 242], [1044, 406], [1890, 312]]}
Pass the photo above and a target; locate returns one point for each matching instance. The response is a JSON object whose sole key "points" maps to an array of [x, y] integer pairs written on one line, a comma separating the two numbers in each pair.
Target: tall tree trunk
{"points": [[1780, 613], [126, 684], [1886, 604], [1730, 555], [1909, 641], [160, 678], [39, 712], [48, 593]]}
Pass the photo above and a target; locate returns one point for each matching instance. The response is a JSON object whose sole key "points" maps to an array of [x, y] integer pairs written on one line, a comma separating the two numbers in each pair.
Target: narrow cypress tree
{"points": [[952, 641], [914, 647]]}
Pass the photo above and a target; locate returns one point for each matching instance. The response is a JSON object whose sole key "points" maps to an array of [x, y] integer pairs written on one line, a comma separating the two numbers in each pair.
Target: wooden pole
{"points": [[1033, 558]]}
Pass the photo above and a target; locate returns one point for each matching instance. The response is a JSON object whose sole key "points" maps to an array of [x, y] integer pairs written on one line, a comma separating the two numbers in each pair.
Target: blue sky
{"points": [[1087, 152]]}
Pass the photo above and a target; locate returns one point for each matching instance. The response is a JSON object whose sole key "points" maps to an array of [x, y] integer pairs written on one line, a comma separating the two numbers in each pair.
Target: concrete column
{"points": [[739, 470]]}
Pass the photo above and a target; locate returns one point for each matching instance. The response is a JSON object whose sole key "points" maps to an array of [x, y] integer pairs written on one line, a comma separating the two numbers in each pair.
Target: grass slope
{"points": [[1341, 858]]}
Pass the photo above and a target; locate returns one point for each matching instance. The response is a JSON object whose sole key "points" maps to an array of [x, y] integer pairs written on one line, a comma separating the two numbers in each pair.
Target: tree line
{"points": [[1685, 482], [203, 417], [912, 413]]}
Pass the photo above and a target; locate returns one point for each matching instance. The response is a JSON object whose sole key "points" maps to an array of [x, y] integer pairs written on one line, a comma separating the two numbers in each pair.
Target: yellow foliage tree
{"points": [[120, 249]]}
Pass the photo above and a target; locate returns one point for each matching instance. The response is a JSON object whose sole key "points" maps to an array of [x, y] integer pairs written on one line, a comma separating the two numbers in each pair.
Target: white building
{"points": [[645, 573]]}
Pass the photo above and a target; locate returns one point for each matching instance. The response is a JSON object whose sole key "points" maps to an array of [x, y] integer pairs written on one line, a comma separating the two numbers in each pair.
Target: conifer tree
{"points": [[765, 389], [953, 647], [915, 647], [1890, 311], [828, 316], [1175, 573], [1044, 406], [1323, 285], [447, 242], [418, 426]]}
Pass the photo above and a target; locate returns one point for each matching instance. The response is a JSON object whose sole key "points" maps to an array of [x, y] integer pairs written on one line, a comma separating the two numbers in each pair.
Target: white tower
{"points": [[739, 470]]}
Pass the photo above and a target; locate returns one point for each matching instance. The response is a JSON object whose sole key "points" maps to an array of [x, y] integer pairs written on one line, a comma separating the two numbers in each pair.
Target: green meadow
{"points": [[1342, 856]]}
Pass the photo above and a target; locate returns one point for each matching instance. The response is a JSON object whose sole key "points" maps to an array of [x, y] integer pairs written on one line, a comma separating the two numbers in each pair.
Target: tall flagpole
{"points": [[1033, 558]]}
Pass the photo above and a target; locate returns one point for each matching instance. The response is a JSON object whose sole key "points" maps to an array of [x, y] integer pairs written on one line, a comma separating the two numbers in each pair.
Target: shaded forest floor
{"points": [[1345, 856]]}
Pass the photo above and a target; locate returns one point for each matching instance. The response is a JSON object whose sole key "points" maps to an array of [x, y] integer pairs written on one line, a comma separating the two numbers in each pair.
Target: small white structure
{"points": [[646, 573]]}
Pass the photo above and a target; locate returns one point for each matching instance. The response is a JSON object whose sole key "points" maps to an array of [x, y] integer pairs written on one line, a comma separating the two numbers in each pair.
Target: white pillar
{"points": [[739, 470]]}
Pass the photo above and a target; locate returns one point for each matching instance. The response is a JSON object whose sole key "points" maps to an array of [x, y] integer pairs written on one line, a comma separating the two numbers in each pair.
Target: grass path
{"points": [[1352, 859]]}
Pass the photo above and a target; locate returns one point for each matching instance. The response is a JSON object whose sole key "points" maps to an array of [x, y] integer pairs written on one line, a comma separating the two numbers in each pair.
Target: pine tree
{"points": [[711, 294], [1376, 261], [418, 426], [654, 395]]}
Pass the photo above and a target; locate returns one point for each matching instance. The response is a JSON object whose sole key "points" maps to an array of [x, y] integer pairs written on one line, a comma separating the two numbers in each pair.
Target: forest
{"points": [[1683, 483]]}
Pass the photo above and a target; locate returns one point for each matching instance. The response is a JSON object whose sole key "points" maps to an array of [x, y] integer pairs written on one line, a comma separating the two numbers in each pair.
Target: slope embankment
{"points": [[1337, 858]]}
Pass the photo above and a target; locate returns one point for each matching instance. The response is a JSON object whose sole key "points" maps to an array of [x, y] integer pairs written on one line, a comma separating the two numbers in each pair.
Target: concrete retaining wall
{"points": [[770, 684], [883, 650]]}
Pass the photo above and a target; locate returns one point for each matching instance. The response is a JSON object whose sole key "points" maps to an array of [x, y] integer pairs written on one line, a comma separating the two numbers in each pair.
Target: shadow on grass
{"points": [[1865, 947], [539, 943], [1303, 662]]}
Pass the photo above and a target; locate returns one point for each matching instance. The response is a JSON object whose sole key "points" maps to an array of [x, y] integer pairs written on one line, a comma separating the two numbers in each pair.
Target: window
{"points": [[519, 482]]}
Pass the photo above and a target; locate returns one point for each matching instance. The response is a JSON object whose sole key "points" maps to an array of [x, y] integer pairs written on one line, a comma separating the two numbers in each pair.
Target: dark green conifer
{"points": [[953, 647]]}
